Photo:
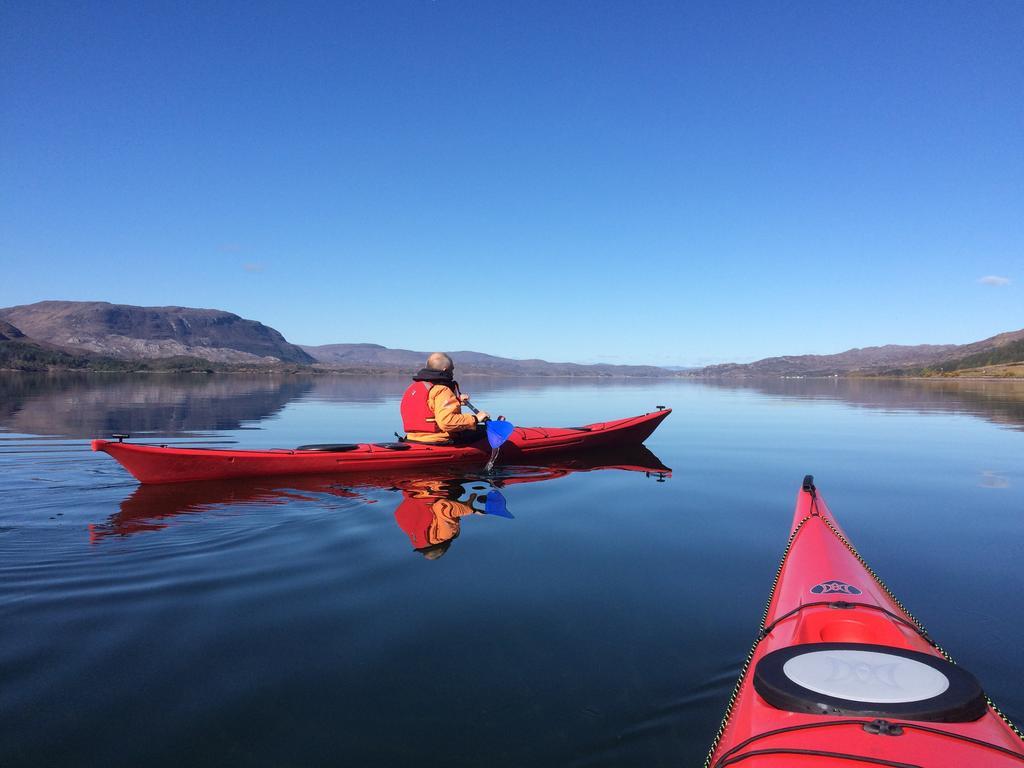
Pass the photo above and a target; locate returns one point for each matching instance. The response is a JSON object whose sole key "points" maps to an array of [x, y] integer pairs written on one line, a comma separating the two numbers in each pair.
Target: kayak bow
{"points": [[176, 464], [843, 674]]}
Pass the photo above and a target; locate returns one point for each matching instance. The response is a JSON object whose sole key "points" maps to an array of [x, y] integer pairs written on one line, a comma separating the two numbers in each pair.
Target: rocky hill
{"points": [[9, 333], [891, 359], [128, 332], [20, 353]]}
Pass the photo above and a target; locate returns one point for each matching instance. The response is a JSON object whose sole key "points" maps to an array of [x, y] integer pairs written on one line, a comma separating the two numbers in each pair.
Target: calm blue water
{"points": [[602, 624]]}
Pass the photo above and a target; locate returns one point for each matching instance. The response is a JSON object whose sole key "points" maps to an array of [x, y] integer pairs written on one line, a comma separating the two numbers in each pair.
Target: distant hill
{"points": [[23, 354], [365, 355], [892, 359], [385, 359], [130, 333], [1005, 360], [20, 353]]}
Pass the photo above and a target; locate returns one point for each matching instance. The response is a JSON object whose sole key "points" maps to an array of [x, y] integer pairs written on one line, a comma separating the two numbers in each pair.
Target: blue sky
{"points": [[641, 182]]}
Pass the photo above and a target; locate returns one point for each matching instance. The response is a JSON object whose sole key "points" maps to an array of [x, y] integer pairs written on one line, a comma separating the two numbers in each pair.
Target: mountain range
{"points": [[97, 335], [385, 358], [889, 360]]}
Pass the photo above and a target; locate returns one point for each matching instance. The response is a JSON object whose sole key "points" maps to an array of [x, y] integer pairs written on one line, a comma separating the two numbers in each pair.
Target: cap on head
{"points": [[439, 361]]}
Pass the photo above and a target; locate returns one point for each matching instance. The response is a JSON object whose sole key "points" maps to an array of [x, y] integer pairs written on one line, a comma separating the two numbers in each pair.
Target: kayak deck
{"points": [[842, 674], [153, 464]]}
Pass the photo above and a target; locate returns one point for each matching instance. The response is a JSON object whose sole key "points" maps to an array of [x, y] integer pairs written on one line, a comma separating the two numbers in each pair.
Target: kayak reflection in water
{"points": [[432, 407], [431, 511]]}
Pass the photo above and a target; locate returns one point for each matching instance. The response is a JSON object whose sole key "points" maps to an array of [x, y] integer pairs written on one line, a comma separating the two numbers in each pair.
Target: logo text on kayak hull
{"points": [[834, 587]]}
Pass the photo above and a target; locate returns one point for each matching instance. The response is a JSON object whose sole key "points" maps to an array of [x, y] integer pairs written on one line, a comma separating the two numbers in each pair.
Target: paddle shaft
{"points": [[474, 409]]}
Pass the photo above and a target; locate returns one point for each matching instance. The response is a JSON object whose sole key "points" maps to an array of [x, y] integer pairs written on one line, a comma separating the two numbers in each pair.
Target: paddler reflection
{"points": [[431, 511]]}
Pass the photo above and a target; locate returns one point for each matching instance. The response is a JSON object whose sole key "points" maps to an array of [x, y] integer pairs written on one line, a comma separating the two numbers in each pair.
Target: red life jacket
{"points": [[415, 516], [417, 416]]}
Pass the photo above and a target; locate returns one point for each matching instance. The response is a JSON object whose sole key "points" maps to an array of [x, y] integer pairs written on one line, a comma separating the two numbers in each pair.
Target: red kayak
{"points": [[842, 675], [173, 464]]}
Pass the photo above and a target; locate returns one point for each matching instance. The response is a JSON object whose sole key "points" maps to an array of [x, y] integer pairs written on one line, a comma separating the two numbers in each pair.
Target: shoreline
{"points": [[372, 373]]}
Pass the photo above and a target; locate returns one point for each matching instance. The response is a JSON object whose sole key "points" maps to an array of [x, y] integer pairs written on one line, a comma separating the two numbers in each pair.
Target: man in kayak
{"points": [[432, 407]]}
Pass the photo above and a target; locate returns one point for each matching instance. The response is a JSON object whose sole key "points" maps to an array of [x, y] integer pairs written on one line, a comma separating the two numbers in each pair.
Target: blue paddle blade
{"points": [[495, 504], [498, 432]]}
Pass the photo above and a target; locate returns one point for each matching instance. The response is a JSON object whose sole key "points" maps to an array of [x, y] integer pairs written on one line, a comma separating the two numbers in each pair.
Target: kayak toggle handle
{"points": [[883, 728], [121, 436], [661, 407], [808, 484]]}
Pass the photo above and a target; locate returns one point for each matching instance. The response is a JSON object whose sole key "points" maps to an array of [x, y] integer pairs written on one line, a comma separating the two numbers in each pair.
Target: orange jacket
{"points": [[448, 416], [431, 521]]}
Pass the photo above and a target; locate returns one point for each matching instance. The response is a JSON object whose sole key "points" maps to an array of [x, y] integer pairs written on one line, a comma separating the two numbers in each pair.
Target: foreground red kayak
{"points": [[843, 675], [173, 464]]}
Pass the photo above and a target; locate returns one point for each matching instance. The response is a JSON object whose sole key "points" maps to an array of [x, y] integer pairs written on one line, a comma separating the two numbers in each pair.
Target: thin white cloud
{"points": [[990, 479], [994, 280]]}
